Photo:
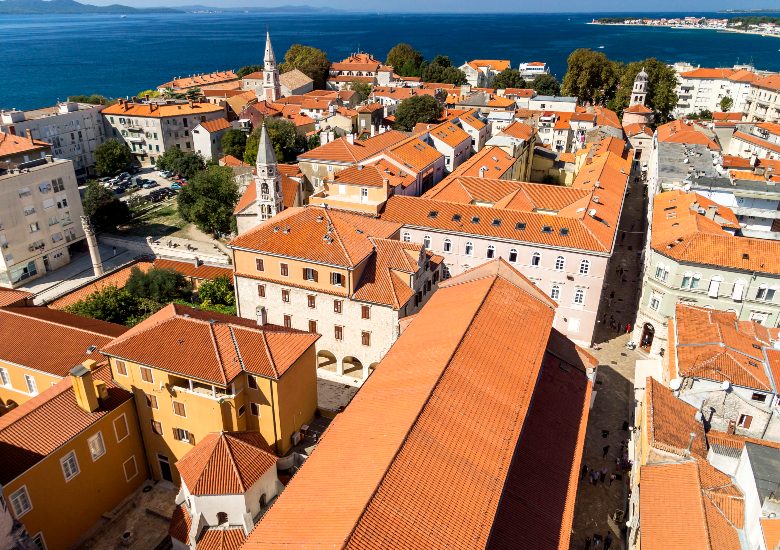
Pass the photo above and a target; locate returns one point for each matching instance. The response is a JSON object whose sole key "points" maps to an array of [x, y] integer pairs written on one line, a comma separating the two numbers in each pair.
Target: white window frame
{"points": [[406, 237], [183, 406], [32, 386], [511, 252], [66, 459], [491, 252], [13, 497], [135, 467], [41, 541], [579, 297], [584, 267], [738, 291], [427, 242], [468, 250], [447, 245], [127, 428], [714, 287], [536, 259], [97, 437], [560, 263], [555, 292], [5, 377]]}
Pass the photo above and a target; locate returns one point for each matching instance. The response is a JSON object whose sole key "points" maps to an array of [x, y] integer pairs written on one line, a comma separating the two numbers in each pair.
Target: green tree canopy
{"points": [[115, 305], [546, 84], [726, 104], [419, 108], [148, 93], [440, 69], [217, 292], [405, 60], [284, 137], [112, 157], [248, 69], [104, 208], [662, 81], [233, 143], [591, 77], [363, 89], [509, 78], [310, 61], [179, 162], [209, 199], [93, 99], [159, 285]]}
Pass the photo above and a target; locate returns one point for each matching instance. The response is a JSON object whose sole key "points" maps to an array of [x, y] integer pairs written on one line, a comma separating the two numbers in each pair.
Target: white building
{"points": [[74, 131], [481, 72], [207, 138], [704, 89], [763, 103], [532, 69]]}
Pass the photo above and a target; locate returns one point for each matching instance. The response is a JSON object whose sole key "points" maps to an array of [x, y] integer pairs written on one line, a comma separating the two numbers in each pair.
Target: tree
{"points": [[114, 305], [94, 99], [591, 77], [440, 69], [248, 69], [662, 81], [405, 60], [217, 292], [233, 143], [726, 104], [363, 89], [104, 208], [159, 285], [416, 109], [112, 157], [509, 78], [310, 61], [209, 199], [284, 137], [546, 84], [193, 93], [177, 161], [148, 94]]}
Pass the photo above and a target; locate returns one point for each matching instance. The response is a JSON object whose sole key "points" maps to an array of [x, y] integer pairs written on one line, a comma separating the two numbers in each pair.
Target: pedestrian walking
{"points": [[596, 542], [604, 475], [114, 250], [608, 541], [628, 328], [587, 544], [604, 451], [612, 477], [584, 471]]}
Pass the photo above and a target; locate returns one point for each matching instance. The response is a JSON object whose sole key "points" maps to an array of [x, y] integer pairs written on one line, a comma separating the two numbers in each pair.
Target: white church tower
{"points": [[268, 182], [639, 92], [272, 87]]}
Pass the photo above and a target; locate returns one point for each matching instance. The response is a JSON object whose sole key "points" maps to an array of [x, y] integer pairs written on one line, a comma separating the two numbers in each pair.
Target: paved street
{"points": [[614, 384]]}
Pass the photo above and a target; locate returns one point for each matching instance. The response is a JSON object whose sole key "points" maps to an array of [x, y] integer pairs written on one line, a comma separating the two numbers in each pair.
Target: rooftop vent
{"points": [[745, 256], [91, 349], [456, 217], [564, 231], [433, 214], [520, 226], [496, 222], [547, 229], [276, 229], [475, 219], [320, 218]]}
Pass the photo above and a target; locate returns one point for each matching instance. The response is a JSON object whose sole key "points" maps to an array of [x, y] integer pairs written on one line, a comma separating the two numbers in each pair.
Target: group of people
{"points": [[598, 543]]}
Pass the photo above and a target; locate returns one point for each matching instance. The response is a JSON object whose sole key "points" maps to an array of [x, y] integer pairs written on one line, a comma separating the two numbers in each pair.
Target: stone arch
{"points": [[648, 334], [352, 366], [327, 361]]}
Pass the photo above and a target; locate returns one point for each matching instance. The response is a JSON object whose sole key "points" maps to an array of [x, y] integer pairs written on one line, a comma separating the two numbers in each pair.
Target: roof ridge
{"points": [[218, 354], [49, 321], [267, 348], [339, 239], [9, 419], [233, 461]]}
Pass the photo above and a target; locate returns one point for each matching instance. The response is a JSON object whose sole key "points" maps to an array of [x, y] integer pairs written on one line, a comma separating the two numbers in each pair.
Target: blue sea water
{"points": [[46, 58]]}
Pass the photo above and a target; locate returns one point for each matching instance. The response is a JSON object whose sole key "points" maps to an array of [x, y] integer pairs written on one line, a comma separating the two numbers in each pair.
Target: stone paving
{"points": [[614, 384]]}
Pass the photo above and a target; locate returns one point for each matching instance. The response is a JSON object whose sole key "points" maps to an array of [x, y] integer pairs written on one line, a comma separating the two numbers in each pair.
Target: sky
{"points": [[483, 6]]}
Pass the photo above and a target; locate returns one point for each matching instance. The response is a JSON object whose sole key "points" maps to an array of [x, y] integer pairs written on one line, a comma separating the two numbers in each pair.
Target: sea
{"points": [[45, 58]]}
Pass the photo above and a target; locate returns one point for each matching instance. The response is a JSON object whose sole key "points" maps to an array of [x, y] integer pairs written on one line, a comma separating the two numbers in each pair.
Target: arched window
{"points": [[584, 267], [738, 291], [264, 188], [579, 297], [686, 280], [406, 237], [491, 252], [447, 245], [555, 293], [714, 287], [513, 255], [427, 241], [469, 248], [536, 258], [695, 280], [560, 263]]}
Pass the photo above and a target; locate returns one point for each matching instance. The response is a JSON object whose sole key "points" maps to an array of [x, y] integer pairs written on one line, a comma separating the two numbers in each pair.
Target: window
{"points": [[20, 502], [555, 293], [338, 306], [406, 237], [336, 279], [288, 321], [130, 467], [579, 297], [536, 259], [39, 542], [365, 312], [254, 409], [259, 264], [427, 241], [180, 434], [513, 255], [744, 421], [491, 252], [695, 280], [151, 401], [765, 293], [655, 301], [283, 269], [178, 409], [584, 267], [4, 378], [146, 375], [157, 427], [285, 296], [338, 332], [312, 325], [739, 290], [560, 263], [712, 291], [120, 428], [96, 446], [311, 300], [70, 466], [241, 410], [365, 338], [760, 397], [661, 272], [31, 385], [310, 274], [251, 382], [121, 367], [261, 291], [686, 280], [469, 248]]}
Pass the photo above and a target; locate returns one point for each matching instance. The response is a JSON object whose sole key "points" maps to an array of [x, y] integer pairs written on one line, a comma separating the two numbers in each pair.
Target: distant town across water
{"points": [[46, 58]]}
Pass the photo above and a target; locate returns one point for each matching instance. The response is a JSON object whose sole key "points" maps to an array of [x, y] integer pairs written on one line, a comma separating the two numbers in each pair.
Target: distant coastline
{"points": [[769, 29]]}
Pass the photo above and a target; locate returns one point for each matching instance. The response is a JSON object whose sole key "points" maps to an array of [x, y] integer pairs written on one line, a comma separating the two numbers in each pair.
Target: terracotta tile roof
{"points": [[374, 175], [606, 117], [10, 297], [712, 345], [678, 131], [492, 64], [180, 525], [670, 421], [152, 110], [301, 233], [636, 129], [226, 463], [519, 92], [770, 82], [294, 79], [490, 163], [216, 125], [770, 527], [51, 341], [501, 102], [682, 232], [16, 145], [736, 442], [450, 134], [519, 130], [413, 153], [230, 160], [341, 151], [209, 346], [743, 75], [190, 270], [735, 117], [221, 539], [755, 140], [469, 119], [370, 108], [703, 72], [382, 282], [38, 427], [196, 81], [450, 487]]}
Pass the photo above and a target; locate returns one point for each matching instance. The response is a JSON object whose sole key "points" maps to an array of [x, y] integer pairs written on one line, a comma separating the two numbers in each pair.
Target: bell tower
{"points": [[272, 87], [639, 92], [268, 181]]}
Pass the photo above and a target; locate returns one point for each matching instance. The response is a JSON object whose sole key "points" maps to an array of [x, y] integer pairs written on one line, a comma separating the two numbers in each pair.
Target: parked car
{"points": [[149, 184], [175, 186]]}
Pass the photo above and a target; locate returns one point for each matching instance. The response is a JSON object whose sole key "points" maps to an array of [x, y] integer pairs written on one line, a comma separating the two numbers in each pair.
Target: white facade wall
{"points": [[762, 105], [208, 144], [453, 156], [746, 482]]}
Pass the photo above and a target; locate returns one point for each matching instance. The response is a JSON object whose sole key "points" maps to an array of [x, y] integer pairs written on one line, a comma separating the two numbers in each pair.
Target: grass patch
{"points": [[159, 222]]}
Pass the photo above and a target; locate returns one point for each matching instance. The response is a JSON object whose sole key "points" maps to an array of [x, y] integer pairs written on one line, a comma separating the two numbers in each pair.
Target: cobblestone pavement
{"points": [[614, 383]]}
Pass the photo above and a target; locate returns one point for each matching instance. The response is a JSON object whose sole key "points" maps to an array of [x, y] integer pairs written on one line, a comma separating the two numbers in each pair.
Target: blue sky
{"points": [[585, 6]]}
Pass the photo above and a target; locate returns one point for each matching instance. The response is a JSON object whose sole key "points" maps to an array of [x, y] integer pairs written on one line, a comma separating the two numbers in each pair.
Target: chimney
{"points": [[351, 138], [28, 133], [190, 103], [373, 130], [83, 387], [711, 211]]}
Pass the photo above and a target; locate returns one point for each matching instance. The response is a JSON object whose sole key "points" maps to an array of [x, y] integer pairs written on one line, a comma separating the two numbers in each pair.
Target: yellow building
{"points": [[40, 345], [70, 455], [195, 372]]}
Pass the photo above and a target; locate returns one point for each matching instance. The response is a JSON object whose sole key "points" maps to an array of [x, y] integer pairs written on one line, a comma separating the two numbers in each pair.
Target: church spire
{"points": [[269, 57], [272, 87], [268, 181], [265, 150]]}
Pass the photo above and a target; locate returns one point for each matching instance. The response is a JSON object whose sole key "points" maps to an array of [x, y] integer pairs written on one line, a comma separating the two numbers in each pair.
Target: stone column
{"points": [[92, 244]]}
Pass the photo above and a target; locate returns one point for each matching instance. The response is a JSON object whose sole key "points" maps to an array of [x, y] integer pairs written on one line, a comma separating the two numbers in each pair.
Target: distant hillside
{"points": [[262, 9], [27, 7]]}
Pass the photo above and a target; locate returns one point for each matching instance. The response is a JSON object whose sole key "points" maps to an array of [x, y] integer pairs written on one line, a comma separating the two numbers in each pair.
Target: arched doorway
{"points": [[352, 367], [327, 361], [648, 333]]}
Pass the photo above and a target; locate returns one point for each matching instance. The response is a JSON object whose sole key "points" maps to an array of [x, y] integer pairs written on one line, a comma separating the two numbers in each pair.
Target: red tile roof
{"points": [[154, 110], [200, 80], [386, 278], [679, 131], [16, 145], [210, 346], [670, 421], [10, 297], [226, 463], [341, 151], [374, 175], [434, 459], [489, 163], [221, 539], [180, 525], [755, 140], [215, 125]]}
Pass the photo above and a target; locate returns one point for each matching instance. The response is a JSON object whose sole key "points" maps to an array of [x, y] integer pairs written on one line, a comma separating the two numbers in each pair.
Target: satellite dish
{"points": [[675, 384], [726, 385]]}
